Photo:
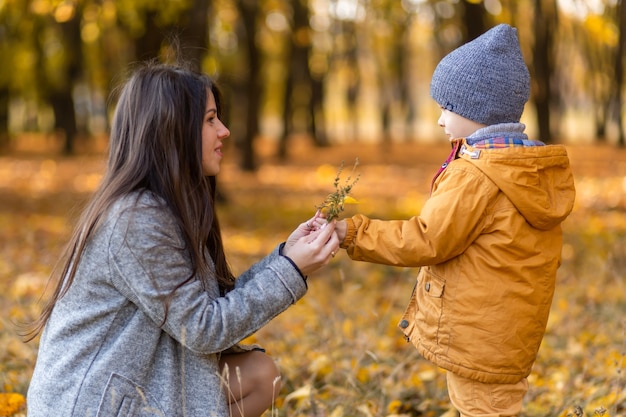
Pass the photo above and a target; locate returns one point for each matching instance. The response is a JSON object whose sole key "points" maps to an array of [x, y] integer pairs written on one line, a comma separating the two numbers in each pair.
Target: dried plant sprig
{"points": [[334, 203]]}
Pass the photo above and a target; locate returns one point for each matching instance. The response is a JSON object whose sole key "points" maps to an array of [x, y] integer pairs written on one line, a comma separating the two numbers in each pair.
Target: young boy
{"points": [[489, 237]]}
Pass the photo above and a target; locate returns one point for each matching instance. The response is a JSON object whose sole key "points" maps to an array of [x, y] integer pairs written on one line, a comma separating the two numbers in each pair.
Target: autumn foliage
{"points": [[339, 349]]}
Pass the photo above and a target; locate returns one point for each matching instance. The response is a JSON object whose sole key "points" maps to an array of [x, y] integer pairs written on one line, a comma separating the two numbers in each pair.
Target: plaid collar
{"points": [[504, 142], [503, 135]]}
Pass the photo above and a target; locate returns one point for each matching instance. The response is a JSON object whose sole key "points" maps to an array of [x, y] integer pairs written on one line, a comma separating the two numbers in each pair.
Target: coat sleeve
{"points": [[151, 268], [255, 268], [450, 220]]}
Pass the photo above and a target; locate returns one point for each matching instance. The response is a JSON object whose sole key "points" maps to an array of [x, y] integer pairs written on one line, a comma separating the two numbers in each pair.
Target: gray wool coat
{"points": [[107, 351]]}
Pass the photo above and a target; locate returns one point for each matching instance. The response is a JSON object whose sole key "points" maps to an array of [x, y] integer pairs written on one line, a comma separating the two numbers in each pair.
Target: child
{"points": [[489, 237], [146, 315]]}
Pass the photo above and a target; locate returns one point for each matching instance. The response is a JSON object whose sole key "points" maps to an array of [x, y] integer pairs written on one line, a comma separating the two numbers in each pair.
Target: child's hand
{"points": [[341, 228]]}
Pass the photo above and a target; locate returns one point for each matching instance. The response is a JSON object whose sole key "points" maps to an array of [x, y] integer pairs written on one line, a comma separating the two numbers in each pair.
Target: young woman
{"points": [[146, 315]]}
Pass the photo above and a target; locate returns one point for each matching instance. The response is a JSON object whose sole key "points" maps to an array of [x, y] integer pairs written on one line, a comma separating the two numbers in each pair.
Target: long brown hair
{"points": [[156, 146]]}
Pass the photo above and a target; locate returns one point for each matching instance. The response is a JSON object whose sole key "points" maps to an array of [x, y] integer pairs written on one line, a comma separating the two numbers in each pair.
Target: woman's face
{"points": [[213, 133]]}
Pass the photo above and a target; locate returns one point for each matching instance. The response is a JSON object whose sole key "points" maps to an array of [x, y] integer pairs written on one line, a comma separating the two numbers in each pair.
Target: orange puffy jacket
{"points": [[489, 243]]}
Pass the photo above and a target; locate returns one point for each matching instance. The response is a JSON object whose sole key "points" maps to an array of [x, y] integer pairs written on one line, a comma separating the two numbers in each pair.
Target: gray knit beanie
{"points": [[485, 80]]}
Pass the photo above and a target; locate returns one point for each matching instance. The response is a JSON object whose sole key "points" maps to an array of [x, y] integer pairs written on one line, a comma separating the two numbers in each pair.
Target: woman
{"points": [[146, 315]]}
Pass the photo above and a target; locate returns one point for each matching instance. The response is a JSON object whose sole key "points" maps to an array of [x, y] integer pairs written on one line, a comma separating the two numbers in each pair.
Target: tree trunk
{"points": [[299, 50], [600, 59], [351, 56], [619, 70], [316, 111], [287, 105], [316, 124], [474, 19], [404, 80], [148, 45], [248, 10], [600, 119], [544, 27], [393, 85], [62, 104], [512, 7], [4, 119], [61, 99], [194, 37]]}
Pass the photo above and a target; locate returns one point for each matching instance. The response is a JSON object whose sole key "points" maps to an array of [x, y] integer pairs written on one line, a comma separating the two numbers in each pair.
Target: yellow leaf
{"points": [[365, 410], [337, 412], [321, 366], [394, 407], [299, 394], [11, 403], [350, 200], [347, 328], [362, 375]]}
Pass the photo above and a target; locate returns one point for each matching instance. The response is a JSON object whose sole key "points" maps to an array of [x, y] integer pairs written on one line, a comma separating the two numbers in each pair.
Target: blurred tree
{"points": [[7, 33], [249, 13], [509, 12], [58, 46], [619, 70], [187, 34], [148, 45], [61, 95], [392, 25], [195, 31], [107, 50], [544, 27], [404, 77], [474, 18], [300, 79], [4, 118], [154, 27], [318, 67], [589, 40], [346, 60]]}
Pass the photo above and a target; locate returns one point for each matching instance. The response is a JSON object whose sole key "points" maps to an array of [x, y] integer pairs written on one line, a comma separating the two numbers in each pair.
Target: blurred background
{"points": [[329, 71]]}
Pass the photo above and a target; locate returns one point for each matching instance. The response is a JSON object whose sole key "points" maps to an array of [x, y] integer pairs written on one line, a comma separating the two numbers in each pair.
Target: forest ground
{"points": [[339, 349]]}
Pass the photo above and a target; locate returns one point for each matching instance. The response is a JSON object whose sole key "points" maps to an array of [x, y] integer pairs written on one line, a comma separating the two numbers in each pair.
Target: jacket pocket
{"points": [[430, 299], [123, 398], [434, 286]]}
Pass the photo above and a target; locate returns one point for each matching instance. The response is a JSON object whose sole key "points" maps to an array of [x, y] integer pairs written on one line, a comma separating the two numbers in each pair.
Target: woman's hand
{"points": [[304, 229], [309, 248], [319, 219]]}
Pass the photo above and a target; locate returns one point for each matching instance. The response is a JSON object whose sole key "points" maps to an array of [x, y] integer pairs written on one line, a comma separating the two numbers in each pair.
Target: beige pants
{"points": [[476, 399]]}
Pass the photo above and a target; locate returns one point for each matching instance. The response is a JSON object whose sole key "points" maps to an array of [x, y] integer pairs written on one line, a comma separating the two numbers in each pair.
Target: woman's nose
{"points": [[224, 132]]}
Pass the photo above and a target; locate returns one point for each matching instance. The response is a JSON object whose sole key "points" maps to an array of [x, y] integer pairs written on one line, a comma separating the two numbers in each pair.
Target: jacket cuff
{"points": [[280, 252]]}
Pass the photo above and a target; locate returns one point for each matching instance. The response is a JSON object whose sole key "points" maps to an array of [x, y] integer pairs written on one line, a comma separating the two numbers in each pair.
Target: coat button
{"points": [[427, 286], [404, 324]]}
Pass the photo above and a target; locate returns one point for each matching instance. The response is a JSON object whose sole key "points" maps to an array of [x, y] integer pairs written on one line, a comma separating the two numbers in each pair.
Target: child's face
{"points": [[213, 133], [456, 126]]}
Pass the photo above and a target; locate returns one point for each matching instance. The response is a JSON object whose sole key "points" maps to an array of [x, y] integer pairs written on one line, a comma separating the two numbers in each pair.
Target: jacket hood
{"points": [[537, 179]]}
